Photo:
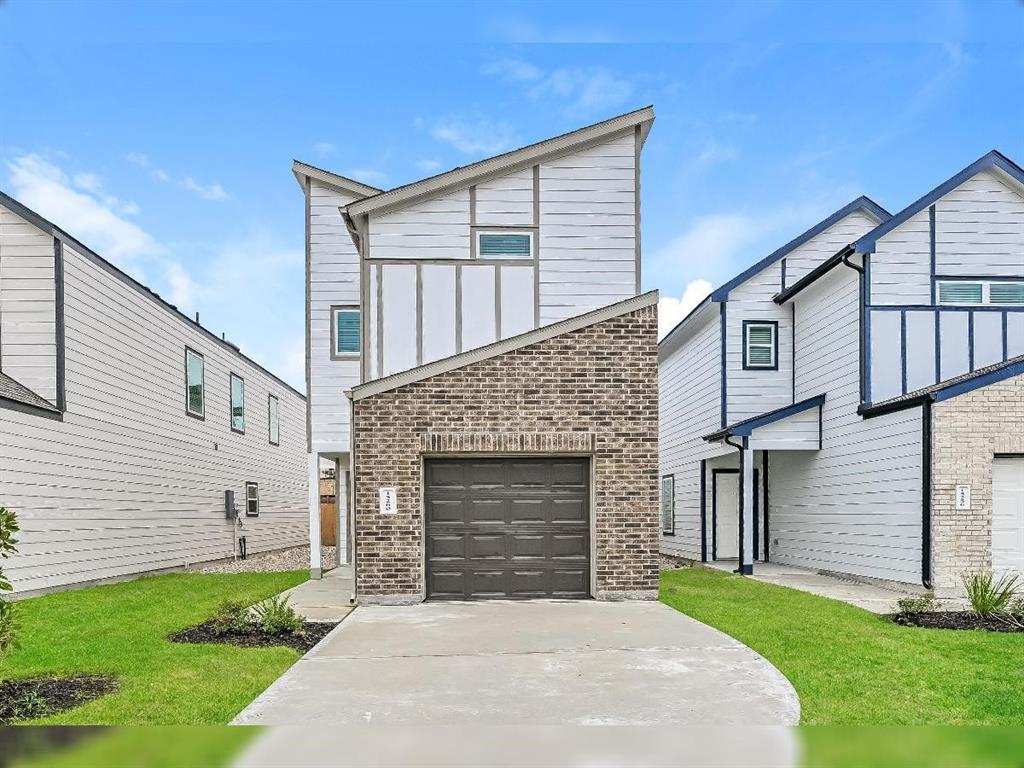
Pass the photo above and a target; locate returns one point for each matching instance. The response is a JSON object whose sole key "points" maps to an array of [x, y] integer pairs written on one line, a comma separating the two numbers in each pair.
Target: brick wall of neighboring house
{"points": [[967, 432], [592, 390]]}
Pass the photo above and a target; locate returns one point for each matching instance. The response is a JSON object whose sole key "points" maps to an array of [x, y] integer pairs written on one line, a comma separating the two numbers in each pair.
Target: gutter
{"points": [[745, 569]]}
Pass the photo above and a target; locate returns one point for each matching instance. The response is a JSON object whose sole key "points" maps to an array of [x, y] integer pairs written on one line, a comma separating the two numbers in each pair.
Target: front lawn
{"points": [[852, 667], [121, 630]]}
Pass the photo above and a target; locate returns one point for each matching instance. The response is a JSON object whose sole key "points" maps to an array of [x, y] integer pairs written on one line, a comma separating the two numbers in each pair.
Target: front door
{"points": [[1008, 514], [726, 514]]}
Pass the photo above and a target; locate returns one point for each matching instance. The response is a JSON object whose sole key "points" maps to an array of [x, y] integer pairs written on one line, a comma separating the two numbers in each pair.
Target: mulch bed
{"points": [[954, 620], [314, 632], [29, 698]]}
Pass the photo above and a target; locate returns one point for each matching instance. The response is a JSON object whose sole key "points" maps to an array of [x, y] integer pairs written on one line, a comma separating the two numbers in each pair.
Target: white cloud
{"points": [[479, 137], [212, 192], [428, 166], [207, 191], [325, 149], [671, 311], [584, 90]]}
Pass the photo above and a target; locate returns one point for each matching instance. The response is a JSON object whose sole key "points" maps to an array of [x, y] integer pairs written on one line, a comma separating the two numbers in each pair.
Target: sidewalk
{"points": [[326, 599]]}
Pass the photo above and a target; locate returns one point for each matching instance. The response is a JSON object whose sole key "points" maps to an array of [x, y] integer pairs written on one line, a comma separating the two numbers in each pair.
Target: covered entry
{"points": [[507, 528]]}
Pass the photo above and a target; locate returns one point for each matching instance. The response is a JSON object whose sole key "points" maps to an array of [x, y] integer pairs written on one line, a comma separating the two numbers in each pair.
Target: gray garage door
{"points": [[507, 528]]}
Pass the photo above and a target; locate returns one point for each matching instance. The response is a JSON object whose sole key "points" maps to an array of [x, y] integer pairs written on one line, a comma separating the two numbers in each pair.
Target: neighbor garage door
{"points": [[507, 528], [1008, 514]]}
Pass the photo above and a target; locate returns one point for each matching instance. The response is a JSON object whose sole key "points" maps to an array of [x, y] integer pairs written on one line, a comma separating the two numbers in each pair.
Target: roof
{"points": [[52, 229], [503, 346], [504, 163], [345, 184], [945, 390], [819, 271], [992, 160], [16, 392], [745, 427]]}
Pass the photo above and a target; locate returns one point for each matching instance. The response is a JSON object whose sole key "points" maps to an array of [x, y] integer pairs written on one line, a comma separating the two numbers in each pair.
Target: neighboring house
{"points": [[854, 403], [501, 368], [123, 423]]}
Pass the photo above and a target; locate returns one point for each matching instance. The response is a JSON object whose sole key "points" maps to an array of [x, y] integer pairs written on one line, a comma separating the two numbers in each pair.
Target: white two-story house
{"points": [[478, 350], [854, 403]]}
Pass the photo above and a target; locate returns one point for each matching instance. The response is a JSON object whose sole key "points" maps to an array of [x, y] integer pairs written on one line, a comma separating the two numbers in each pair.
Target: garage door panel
{"points": [[446, 510], [568, 511], [487, 583], [566, 582], [569, 546], [527, 510], [445, 474], [487, 547], [529, 583], [524, 546], [482, 475], [447, 583], [568, 475], [446, 546], [485, 511], [528, 474]]}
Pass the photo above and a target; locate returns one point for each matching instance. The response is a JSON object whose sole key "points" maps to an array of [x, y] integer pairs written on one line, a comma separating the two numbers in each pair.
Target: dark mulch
{"points": [[312, 634], [955, 620], [32, 697]]}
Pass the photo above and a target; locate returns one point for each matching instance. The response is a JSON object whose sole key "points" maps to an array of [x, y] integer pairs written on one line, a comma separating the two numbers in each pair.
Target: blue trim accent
{"points": [[903, 352], [867, 358], [775, 345], [986, 278], [703, 511], [867, 279], [963, 387], [993, 159], [1006, 337], [866, 304], [782, 277], [946, 307], [862, 203], [938, 348], [723, 395], [931, 248], [970, 341], [745, 427]]}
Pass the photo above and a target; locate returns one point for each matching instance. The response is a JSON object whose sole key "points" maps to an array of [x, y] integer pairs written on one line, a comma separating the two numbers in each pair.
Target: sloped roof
{"points": [[16, 392], [345, 184], [745, 427]]}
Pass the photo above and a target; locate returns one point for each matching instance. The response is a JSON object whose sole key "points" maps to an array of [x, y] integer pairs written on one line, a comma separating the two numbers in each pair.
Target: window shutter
{"points": [[515, 245], [1006, 293], [960, 292]]}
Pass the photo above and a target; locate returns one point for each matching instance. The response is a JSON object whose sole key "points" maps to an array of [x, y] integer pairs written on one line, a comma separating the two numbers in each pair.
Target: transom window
{"points": [[668, 504], [252, 500], [237, 404], [274, 419], [994, 292], [504, 245], [345, 330], [760, 342], [195, 400]]}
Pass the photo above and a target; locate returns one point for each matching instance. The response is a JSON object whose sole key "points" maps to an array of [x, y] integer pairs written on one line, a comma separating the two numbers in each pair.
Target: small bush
{"points": [[8, 527], [917, 604], [275, 616], [989, 595], [1016, 608], [232, 616], [8, 627]]}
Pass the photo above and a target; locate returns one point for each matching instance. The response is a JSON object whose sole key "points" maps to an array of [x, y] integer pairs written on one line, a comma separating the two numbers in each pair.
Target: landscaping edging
{"points": [[33, 697], [209, 632], [955, 620]]}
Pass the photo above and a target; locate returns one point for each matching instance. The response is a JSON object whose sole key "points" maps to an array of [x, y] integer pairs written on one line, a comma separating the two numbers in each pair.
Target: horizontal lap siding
{"points": [[506, 200], [855, 505], [901, 264], [129, 483], [979, 229], [333, 280], [588, 229], [437, 228], [28, 348], [825, 245]]}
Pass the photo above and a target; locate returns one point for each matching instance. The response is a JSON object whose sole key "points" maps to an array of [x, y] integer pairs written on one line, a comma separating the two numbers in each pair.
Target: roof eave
{"points": [[302, 171]]}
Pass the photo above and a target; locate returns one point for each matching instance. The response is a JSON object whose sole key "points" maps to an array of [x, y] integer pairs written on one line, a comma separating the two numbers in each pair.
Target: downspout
{"points": [[861, 320], [352, 493], [739, 447], [926, 493]]}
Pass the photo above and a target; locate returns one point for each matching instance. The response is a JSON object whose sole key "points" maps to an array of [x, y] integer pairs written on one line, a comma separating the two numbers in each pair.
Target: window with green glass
{"points": [[1006, 293], [237, 403], [195, 404], [505, 245], [994, 292], [960, 292], [346, 331]]}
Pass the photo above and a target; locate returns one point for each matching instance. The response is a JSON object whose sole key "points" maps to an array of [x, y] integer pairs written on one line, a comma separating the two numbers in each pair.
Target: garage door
{"points": [[1008, 514], [507, 528]]}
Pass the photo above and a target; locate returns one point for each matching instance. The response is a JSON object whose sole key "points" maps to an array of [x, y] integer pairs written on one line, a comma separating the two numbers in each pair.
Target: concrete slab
{"points": [[326, 599], [536, 663]]}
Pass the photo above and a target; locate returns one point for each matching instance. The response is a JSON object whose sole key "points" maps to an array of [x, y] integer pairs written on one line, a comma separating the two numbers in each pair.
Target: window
{"points": [[996, 292], [252, 500], [504, 245], [274, 420], [759, 345], [237, 404], [345, 331], [194, 394], [668, 504]]}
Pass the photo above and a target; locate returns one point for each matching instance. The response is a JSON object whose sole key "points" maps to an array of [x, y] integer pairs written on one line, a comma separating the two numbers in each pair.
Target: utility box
{"points": [[229, 505]]}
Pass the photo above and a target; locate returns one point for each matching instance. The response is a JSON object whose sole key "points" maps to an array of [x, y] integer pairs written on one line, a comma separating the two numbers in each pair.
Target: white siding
{"points": [[516, 300], [588, 229], [988, 339], [794, 433], [437, 228], [438, 312], [506, 200], [886, 357], [979, 229], [1015, 334], [28, 349], [855, 505], [399, 331], [333, 280], [128, 482], [920, 346], [479, 319], [954, 357], [901, 264], [823, 246]]}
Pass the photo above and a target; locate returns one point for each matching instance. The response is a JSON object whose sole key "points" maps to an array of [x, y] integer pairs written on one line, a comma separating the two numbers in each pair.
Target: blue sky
{"points": [[162, 134]]}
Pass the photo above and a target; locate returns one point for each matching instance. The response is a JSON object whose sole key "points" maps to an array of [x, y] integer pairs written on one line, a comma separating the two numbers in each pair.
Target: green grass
{"points": [[851, 667], [121, 630]]}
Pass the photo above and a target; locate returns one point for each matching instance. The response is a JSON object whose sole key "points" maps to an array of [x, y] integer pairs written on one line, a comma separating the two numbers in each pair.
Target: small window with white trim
{"points": [[668, 505], [252, 500], [981, 292], [237, 392], [195, 391], [274, 419], [345, 333], [760, 342], [504, 245]]}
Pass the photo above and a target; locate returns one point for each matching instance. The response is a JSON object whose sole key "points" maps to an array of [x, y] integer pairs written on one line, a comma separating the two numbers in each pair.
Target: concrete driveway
{"points": [[527, 663]]}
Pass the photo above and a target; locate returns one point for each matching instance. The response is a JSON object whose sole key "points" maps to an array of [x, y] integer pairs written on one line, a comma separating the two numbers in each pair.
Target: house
{"points": [[124, 423], [854, 403], [498, 437]]}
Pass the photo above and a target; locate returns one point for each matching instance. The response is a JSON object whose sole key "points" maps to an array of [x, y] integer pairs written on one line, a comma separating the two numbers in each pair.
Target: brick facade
{"points": [[592, 391], [967, 432]]}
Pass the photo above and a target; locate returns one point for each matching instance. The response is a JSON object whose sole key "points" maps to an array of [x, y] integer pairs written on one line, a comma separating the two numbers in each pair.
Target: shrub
{"points": [[8, 629], [275, 616], [989, 595], [232, 616], [8, 527], [1016, 608], [917, 604]]}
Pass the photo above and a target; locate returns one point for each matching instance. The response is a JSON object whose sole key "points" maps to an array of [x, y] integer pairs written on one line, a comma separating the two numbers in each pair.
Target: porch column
{"points": [[315, 568], [341, 496], [747, 492]]}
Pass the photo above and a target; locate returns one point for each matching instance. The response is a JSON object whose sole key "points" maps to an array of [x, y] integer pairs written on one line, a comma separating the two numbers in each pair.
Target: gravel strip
{"points": [[293, 559]]}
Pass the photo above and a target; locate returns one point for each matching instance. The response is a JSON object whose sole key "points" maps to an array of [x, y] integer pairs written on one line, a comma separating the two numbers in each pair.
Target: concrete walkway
{"points": [[540, 663], [870, 597], [326, 599]]}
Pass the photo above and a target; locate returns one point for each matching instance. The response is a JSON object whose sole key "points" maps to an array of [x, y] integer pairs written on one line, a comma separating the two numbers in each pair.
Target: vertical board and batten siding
{"points": [[28, 341], [128, 483], [855, 505], [979, 232], [588, 223], [333, 281]]}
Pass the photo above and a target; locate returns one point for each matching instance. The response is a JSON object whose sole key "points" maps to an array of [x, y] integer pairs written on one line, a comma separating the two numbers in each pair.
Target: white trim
{"points": [[986, 293], [301, 170], [528, 256]]}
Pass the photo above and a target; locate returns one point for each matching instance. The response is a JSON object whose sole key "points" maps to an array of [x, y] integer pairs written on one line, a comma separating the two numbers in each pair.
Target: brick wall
{"points": [[591, 391], [967, 432]]}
